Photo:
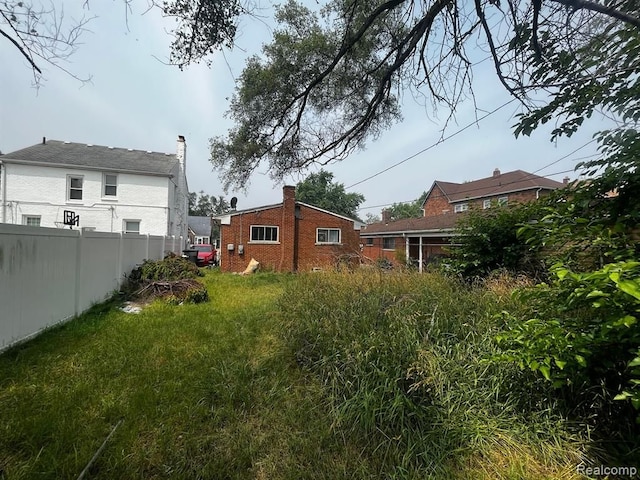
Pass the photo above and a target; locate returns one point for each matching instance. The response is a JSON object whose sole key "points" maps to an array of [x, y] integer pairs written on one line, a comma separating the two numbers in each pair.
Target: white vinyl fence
{"points": [[49, 275]]}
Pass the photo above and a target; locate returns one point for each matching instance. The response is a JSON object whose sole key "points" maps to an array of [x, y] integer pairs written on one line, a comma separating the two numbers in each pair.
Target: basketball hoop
{"points": [[71, 219]]}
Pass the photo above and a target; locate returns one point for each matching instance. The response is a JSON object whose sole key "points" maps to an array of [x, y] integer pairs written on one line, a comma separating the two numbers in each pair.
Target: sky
{"points": [[135, 100]]}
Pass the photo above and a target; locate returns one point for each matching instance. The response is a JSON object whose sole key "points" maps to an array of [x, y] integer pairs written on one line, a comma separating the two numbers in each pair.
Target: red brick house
{"points": [[287, 237], [422, 239]]}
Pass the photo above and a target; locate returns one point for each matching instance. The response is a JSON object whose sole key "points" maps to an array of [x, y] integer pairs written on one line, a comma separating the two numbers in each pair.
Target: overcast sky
{"points": [[135, 101]]}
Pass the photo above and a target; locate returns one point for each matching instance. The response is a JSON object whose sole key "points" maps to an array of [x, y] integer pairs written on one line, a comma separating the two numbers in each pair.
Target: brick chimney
{"points": [[565, 180], [386, 215], [496, 173], [288, 237]]}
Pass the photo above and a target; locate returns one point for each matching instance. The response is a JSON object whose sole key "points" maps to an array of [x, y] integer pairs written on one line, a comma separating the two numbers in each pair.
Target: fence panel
{"points": [[49, 275], [38, 268]]}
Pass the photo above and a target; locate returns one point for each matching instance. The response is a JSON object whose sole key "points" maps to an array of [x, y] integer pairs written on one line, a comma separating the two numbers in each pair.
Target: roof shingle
{"points": [[56, 153]]}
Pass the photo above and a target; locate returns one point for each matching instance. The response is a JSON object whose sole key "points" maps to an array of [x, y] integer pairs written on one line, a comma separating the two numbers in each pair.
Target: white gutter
{"points": [[3, 185]]}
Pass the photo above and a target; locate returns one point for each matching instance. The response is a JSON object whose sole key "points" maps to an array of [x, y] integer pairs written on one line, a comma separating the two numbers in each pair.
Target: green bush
{"points": [[584, 337], [488, 240]]}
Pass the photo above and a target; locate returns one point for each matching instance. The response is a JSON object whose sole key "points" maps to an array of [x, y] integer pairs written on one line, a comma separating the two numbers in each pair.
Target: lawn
{"points": [[204, 391], [365, 375]]}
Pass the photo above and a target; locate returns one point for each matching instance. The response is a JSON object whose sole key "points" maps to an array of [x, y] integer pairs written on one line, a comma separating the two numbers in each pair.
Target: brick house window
{"points": [[74, 187], [31, 220], [264, 233], [389, 243], [503, 200], [461, 207], [109, 185], [327, 235], [132, 226], [369, 241], [486, 204]]}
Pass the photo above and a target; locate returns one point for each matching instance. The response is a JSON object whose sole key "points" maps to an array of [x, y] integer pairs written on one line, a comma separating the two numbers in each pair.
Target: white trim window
{"points": [[369, 241], [486, 203], [74, 187], [110, 185], [131, 226], [503, 200], [388, 243], [328, 235], [264, 234], [460, 207], [31, 220]]}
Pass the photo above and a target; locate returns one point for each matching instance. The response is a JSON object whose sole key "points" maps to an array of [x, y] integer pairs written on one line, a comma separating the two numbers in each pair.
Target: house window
{"points": [[486, 204], [31, 220], [132, 226], [327, 235], [503, 200], [74, 188], [369, 241], [389, 243], [461, 207], [263, 233], [110, 185]]}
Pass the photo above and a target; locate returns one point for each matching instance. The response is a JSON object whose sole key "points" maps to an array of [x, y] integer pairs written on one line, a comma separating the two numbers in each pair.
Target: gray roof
{"points": [[441, 224], [201, 226], [55, 153]]}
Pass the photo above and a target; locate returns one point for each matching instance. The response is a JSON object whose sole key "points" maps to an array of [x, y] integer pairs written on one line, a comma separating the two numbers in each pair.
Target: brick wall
{"points": [[311, 255], [287, 254], [513, 198], [436, 203]]}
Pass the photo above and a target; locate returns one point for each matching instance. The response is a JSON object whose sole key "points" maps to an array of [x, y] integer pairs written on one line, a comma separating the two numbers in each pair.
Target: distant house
{"points": [[288, 236], [110, 189], [199, 230], [422, 239]]}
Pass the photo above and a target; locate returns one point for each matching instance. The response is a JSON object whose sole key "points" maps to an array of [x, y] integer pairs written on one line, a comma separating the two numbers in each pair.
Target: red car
{"points": [[206, 254]]}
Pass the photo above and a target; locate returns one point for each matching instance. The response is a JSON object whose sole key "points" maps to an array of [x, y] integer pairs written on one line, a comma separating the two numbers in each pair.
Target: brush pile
{"points": [[171, 279]]}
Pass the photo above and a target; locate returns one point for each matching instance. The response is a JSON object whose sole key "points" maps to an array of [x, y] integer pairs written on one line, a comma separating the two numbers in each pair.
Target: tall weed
{"points": [[405, 362]]}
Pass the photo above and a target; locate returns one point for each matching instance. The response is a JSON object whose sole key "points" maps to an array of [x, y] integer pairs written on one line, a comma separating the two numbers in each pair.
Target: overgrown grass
{"points": [[393, 384], [406, 360]]}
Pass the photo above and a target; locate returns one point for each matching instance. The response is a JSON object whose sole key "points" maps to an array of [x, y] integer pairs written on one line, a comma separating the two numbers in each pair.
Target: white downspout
{"points": [[3, 185]]}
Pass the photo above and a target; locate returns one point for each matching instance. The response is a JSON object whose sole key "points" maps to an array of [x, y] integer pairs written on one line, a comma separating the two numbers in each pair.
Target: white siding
{"points": [[39, 190]]}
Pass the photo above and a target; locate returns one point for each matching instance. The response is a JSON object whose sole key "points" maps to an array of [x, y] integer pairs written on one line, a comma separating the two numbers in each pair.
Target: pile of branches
{"points": [[171, 279], [176, 291]]}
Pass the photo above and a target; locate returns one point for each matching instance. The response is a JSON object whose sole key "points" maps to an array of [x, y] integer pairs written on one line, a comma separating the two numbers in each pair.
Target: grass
{"points": [[364, 375], [205, 391]]}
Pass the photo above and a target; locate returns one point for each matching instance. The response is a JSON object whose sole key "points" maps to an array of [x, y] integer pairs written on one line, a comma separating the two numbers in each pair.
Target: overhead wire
{"points": [[433, 145]]}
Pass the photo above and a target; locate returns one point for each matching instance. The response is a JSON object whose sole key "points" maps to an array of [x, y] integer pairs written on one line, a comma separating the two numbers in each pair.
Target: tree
{"points": [[40, 34], [372, 218], [398, 211], [331, 79], [319, 189], [203, 205]]}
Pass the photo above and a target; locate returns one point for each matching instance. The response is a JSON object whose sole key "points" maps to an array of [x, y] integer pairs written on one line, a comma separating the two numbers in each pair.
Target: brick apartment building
{"points": [[287, 237], [422, 239]]}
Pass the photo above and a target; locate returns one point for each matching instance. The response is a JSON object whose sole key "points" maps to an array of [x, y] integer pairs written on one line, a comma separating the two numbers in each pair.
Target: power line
{"points": [[442, 140], [474, 189]]}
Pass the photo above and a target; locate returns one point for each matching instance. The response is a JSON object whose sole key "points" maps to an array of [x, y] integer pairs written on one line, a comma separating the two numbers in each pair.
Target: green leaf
{"points": [[581, 361], [545, 371], [560, 363]]}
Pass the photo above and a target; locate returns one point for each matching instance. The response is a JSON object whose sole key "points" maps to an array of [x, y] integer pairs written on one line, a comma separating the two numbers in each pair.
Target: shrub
{"points": [[488, 240]]}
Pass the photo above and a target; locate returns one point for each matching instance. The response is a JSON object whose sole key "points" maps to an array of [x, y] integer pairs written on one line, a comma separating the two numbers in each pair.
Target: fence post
{"points": [[120, 259], [76, 308]]}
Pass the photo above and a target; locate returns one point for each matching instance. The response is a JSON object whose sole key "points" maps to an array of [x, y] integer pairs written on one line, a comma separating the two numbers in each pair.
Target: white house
{"points": [[110, 189]]}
